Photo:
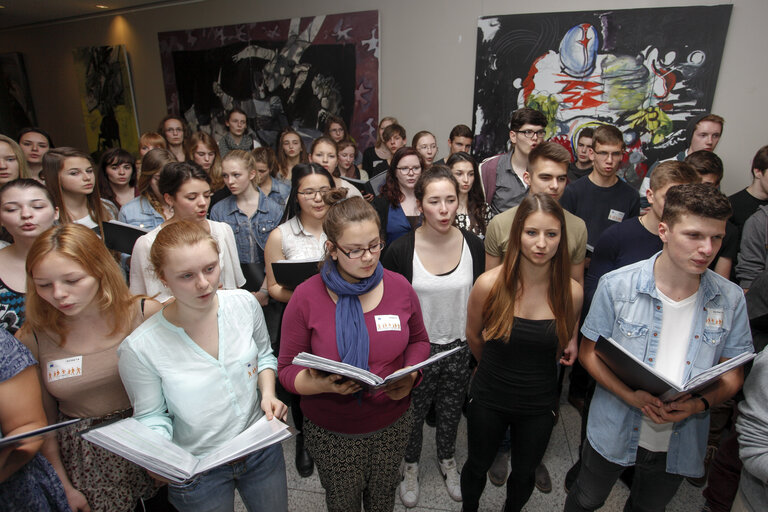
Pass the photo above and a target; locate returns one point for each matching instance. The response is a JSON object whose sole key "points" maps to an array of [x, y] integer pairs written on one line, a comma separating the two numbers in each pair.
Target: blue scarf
{"points": [[351, 334]]}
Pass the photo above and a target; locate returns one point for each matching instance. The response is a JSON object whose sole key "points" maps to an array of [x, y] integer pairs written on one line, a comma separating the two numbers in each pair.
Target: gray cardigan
{"points": [[752, 427], [753, 256]]}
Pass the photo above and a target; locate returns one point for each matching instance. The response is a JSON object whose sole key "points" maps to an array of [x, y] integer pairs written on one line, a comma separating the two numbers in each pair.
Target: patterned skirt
{"points": [[109, 482]]}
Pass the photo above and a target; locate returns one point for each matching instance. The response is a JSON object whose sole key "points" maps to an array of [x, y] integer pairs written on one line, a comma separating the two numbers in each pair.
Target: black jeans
{"points": [[485, 430], [652, 487]]}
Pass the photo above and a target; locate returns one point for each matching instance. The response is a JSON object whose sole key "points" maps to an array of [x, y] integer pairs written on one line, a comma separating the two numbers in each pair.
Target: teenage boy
{"points": [[460, 139], [623, 244], [394, 138], [710, 169], [174, 130], [582, 166], [601, 198], [747, 201], [502, 175], [674, 314], [546, 174], [704, 133]]}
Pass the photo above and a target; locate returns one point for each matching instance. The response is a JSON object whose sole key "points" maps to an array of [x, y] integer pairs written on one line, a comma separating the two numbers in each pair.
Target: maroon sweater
{"points": [[309, 325]]}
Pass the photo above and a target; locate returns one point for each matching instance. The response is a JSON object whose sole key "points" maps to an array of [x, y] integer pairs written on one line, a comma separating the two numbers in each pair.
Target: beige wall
{"points": [[427, 61]]}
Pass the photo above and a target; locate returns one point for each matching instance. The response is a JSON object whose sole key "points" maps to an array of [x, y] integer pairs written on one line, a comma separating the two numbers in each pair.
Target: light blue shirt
{"points": [[182, 392], [138, 212], [627, 308]]}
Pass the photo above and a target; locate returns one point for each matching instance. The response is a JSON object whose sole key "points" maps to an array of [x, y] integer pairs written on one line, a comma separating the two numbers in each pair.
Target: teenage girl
{"points": [[426, 144], [71, 180], [290, 152], [521, 318], [325, 153], [79, 310], [13, 165], [267, 176], [26, 210], [358, 313], [117, 176], [149, 209], [203, 150], [379, 152], [202, 371], [473, 213], [300, 236], [397, 205], [35, 142], [441, 262], [186, 188]]}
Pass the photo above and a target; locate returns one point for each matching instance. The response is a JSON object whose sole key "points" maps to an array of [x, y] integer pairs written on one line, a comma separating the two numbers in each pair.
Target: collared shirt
{"points": [[627, 308], [510, 189], [250, 233], [300, 245], [185, 394], [280, 191], [138, 212]]}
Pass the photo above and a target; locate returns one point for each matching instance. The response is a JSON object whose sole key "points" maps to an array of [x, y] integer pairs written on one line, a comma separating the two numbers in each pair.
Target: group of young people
{"points": [[501, 259]]}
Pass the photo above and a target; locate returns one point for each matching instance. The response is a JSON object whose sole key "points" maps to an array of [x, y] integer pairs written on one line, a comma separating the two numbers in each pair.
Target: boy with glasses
{"points": [[502, 175], [601, 199]]}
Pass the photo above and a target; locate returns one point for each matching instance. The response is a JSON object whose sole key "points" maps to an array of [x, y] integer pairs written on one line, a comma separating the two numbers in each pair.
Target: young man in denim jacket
{"points": [[677, 316]]}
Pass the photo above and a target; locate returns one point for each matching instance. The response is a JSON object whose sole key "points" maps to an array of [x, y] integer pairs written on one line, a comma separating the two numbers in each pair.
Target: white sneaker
{"points": [[409, 487], [451, 477]]}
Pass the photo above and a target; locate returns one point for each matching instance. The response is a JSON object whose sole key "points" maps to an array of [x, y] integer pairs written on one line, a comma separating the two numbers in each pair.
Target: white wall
{"points": [[427, 61]]}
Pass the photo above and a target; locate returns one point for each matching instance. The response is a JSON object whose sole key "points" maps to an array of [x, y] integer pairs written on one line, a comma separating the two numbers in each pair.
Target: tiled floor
{"points": [[307, 495]]}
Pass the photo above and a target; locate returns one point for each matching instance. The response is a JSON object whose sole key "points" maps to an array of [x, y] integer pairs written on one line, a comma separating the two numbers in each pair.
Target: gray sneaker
{"points": [[499, 469]]}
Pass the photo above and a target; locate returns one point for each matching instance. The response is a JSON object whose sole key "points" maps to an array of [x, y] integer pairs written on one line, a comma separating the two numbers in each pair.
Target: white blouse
{"points": [[143, 278]]}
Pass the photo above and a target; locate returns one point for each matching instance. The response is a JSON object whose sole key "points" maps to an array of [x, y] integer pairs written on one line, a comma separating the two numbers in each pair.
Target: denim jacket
{"points": [[138, 212], [280, 191], [627, 308], [250, 234]]}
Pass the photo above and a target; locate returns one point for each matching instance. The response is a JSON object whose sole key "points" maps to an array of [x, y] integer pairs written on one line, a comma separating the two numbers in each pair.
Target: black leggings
{"points": [[485, 430]]}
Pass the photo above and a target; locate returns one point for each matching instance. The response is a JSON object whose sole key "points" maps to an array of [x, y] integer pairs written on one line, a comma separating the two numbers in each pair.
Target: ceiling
{"points": [[25, 13]]}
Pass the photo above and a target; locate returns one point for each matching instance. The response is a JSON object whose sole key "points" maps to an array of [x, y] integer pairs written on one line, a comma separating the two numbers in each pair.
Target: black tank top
{"points": [[519, 376]]}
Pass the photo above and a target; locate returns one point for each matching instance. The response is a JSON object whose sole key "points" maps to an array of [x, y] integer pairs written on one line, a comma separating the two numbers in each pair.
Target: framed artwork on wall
{"points": [[647, 71], [17, 110], [292, 72]]}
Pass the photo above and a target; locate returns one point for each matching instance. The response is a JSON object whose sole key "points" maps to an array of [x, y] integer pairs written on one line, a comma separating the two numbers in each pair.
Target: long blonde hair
{"points": [[499, 307], [84, 247]]}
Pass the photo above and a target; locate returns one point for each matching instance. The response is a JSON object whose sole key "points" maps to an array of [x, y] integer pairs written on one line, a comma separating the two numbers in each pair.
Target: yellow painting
{"points": [[106, 92]]}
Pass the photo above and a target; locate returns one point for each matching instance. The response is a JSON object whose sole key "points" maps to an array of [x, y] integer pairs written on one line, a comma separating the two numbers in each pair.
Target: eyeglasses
{"points": [[311, 193], [425, 147], [616, 155], [358, 253], [528, 134], [416, 169]]}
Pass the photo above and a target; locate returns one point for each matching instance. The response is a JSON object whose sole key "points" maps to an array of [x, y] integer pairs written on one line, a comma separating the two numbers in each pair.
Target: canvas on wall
{"points": [[16, 108], [647, 71], [106, 94], [293, 72]]}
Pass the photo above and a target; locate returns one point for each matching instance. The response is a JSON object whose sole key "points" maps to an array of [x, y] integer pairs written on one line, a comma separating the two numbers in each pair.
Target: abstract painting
{"points": [[16, 108], [293, 72], [106, 92], [647, 71]]}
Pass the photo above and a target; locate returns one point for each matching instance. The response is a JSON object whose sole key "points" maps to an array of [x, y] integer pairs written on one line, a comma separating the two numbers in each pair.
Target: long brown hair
{"points": [[282, 160], [190, 145], [499, 307], [84, 247], [53, 162], [152, 163]]}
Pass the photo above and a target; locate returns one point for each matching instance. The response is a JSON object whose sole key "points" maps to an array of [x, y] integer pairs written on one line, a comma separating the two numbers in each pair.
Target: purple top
{"points": [[309, 326]]}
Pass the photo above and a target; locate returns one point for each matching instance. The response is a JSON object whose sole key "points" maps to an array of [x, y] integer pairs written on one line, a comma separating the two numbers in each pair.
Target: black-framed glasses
{"points": [[355, 254], [528, 134], [311, 193]]}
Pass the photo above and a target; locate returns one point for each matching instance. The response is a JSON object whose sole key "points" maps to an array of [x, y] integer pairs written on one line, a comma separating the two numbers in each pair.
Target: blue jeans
{"points": [[652, 487], [259, 478]]}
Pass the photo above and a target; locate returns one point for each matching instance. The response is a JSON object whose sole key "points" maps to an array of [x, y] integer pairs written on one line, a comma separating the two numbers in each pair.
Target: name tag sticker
{"points": [[615, 216], [387, 323], [252, 368], [714, 318], [65, 368]]}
